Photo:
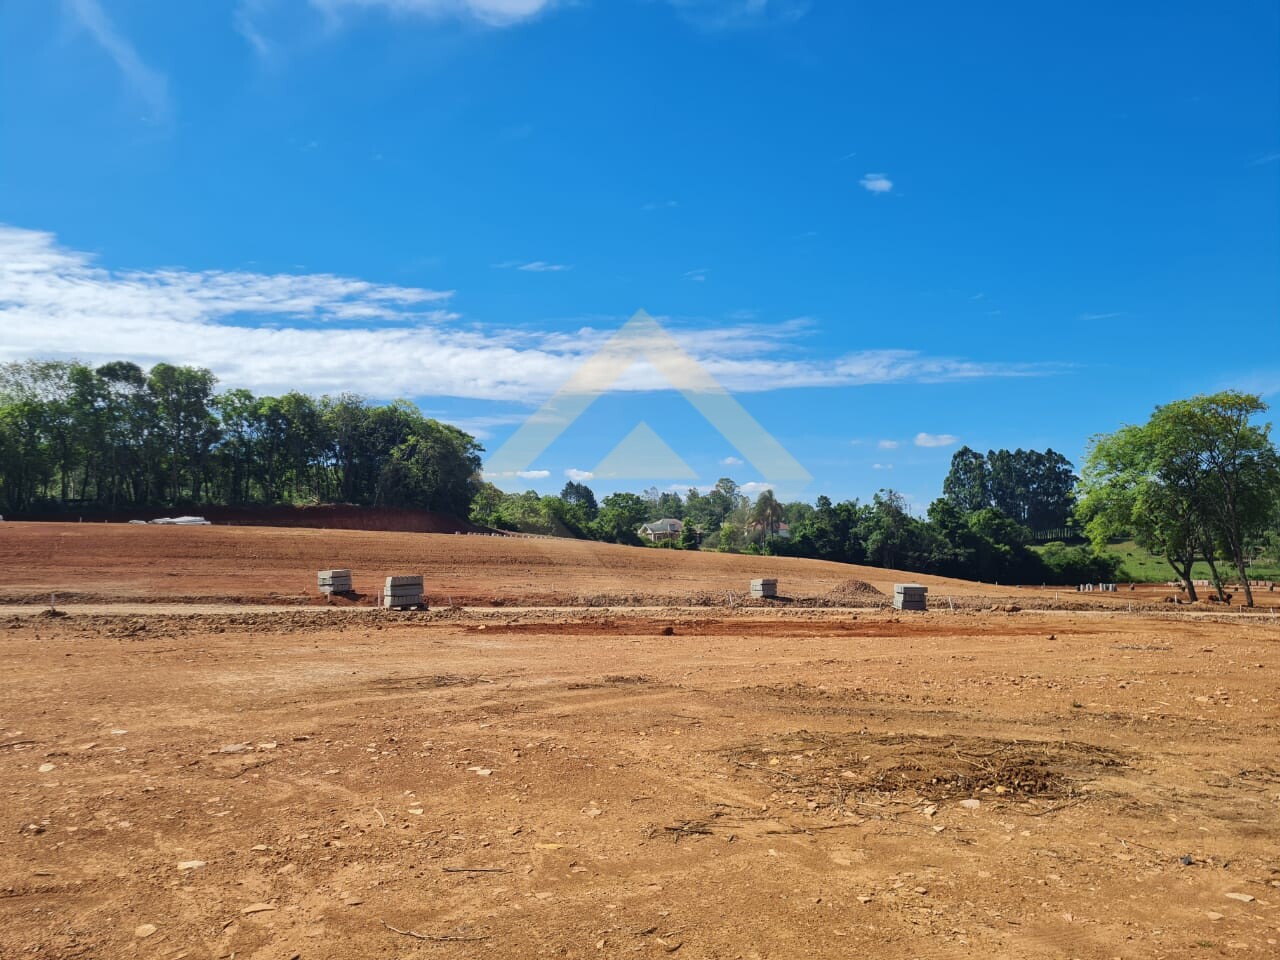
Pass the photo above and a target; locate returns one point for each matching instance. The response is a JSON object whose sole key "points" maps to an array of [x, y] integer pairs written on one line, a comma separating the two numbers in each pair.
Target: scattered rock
{"points": [[1213, 916], [47, 768], [480, 771], [258, 908], [235, 748], [190, 864], [1242, 897], [144, 930], [971, 804]]}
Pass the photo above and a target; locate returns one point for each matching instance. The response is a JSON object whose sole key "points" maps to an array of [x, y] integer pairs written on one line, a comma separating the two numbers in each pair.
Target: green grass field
{"points": [[1141, 567]]}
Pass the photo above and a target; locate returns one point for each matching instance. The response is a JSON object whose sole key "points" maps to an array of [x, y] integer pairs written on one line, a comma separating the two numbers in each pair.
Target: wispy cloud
{"points": [[151, 86], [510, 474], [533, 266], [653, 205], [882, 466], [888, 444], [698, 275], [326, 333], [496, 13], [876, 183], [738, 14], [1091, 317], [1265, 158], [731, 462], [935, 439]]}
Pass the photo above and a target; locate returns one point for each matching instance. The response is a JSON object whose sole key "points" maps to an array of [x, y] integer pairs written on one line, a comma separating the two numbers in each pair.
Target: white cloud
{"points": [[698, 275], [935, 439], [888, 444], [660, 205], [532, 266], [522, 474], [327, 333], [150, 85], [876, 183], [882, 466], [753, 488], [731, 462], [497, 13], [578, 476]]}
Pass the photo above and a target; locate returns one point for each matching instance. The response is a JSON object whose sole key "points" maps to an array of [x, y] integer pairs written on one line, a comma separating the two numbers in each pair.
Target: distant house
{"points": [[659, 530], [784, 529]]}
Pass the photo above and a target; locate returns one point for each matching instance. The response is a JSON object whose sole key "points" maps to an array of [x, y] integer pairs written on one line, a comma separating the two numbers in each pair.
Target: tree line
{"points": [[119, 437], [1198, 483], [951, 540]]}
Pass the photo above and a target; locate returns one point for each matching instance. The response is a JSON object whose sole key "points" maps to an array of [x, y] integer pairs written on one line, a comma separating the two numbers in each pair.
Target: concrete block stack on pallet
{"points": [[910, 596], [334, 581], [403, 592], [764, 588]]}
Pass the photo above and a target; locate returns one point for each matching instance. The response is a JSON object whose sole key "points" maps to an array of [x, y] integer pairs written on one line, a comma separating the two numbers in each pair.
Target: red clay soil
{"points": [[326, 516], [122, 562], [795, 784]]}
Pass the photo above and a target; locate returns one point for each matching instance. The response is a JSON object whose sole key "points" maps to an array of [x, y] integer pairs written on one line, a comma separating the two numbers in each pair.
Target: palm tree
{"points": [[767, 513]]}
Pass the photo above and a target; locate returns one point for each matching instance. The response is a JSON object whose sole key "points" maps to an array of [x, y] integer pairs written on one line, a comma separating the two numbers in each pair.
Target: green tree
{"points": [[968, 482], [887, 528], [185, 423], [767, 513], [1238, 464], [621, 515]]}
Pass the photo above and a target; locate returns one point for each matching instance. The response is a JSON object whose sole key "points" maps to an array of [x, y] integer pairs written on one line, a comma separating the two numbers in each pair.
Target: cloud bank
{"points": [[324, 333]]}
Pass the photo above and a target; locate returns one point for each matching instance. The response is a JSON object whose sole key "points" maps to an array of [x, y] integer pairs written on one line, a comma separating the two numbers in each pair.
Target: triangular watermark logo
{"points": [[642, 454]]}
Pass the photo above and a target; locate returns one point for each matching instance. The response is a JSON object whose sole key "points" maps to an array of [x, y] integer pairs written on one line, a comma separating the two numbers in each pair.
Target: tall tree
{"points": [[1238, 462], [767, 513], [968, 482]]}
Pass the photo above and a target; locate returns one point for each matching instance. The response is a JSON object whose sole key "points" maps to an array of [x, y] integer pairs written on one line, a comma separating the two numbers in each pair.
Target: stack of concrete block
{"points": [[402, 592], [910, 596], [334, 581], [764, 588]]}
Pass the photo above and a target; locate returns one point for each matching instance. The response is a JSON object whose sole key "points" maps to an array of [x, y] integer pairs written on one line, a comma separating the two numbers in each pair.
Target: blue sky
{"points": [[889, 229]]}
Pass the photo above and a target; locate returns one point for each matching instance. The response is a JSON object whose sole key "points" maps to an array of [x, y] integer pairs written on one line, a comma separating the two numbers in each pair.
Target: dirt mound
{"points": [[856, 593]]}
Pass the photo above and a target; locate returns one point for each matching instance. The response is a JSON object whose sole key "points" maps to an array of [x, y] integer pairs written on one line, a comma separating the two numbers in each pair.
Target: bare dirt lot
{"points": [[716, 782]]}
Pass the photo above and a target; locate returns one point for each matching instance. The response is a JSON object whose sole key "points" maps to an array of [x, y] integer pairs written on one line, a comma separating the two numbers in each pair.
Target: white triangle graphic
{"points": [[643, 455], [641, 338]]}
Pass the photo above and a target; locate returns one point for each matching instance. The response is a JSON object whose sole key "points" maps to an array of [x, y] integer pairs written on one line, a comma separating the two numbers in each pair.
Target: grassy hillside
{"points": [[1139, 566]]}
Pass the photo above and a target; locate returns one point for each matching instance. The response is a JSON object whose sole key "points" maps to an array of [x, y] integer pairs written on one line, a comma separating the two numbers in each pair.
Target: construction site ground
{"points": [[588, 751]]}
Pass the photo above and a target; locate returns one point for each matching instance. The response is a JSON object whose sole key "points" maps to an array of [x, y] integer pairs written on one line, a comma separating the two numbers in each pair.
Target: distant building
{"points": [[784, 529], [660, 530]]}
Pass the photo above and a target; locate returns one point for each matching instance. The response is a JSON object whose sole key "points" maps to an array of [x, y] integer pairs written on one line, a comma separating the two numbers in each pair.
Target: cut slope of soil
{"points": [[105, 562]]}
